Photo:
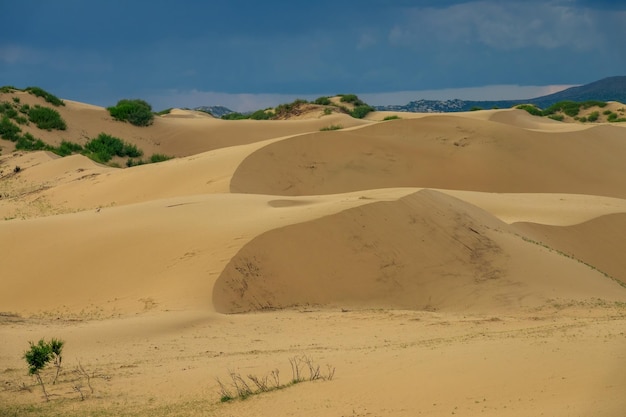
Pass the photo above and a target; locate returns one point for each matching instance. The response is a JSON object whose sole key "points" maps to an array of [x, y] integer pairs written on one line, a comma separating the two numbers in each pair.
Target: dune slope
{"points": [[426, 251], [447, 152]]}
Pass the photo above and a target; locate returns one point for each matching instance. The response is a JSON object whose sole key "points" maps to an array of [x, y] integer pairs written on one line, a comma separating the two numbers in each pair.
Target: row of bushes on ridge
{"points": [[361, 109]]}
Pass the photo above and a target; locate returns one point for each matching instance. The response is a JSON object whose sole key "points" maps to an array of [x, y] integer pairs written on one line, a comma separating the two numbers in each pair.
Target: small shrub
{"points": [[476, 108], [7, 89], [530, 108], [327, 111], [103, 148], [16, 99], [607, 112], [21, 120], [46, 118], [67, 148], [28, 142], [39, 92], [9, 130], [593, 116], [331, 127], [136, 112], [557, 117], [38, 356], [261, 115], [159, 157], [612, 117], [235, 116], [24, 109], [392, 117], [582, 119], [361, 111], [324, 101], [350, 98]]}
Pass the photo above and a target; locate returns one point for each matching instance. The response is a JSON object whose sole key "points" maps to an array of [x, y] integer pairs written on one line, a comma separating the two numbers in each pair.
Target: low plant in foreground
{"points": [[392, 117], [240, 387], [39, 355]]}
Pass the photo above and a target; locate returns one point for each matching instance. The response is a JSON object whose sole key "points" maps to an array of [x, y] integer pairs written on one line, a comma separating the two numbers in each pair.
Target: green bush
{"points": [[159, 157], [392, 117], [350, 98], [103, 148], [593, 116], [530, 108], [136, 112], [24, 109], [476, 108], [39, 92], [28, 142], [261, 115], [9, 130], [324, 101], [361, 111], [557, 117], [21, 120], [46, 118], [38, 356], [607, 112], [67, 148], [235, 116], [7, 89], [570, 108]]}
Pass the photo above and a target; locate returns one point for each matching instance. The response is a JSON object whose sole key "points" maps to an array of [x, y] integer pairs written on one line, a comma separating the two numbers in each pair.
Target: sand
{"points": [[466, 264]]}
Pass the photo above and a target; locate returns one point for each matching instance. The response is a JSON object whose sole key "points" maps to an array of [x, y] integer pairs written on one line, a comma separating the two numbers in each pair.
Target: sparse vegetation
{"points": [[162, 112], [46, 118], [593, 116], [7, 89], [572, 108], [392, 117], [50, 98], [242, 388], [136, 112], [331, 127]]}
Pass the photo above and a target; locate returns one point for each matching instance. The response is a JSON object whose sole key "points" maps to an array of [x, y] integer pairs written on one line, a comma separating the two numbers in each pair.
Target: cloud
{"points": [[17, 54], [500, 25]]}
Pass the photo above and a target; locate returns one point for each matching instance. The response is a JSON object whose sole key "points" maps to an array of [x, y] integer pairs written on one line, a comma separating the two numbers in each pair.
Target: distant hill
{"points": [[216, 111], [607, 89]]}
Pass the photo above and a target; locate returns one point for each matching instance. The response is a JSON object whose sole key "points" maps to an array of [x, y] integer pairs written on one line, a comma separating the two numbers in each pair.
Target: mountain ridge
{"points": [[606, 89]]}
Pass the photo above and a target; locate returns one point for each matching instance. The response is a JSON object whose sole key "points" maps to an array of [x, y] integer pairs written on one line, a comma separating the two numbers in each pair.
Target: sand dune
{"points": [[426, 251], [445, 264], [446, 152]]}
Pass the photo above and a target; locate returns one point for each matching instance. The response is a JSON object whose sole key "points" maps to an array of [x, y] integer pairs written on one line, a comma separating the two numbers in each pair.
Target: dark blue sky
{"points": [[251, 53]]}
